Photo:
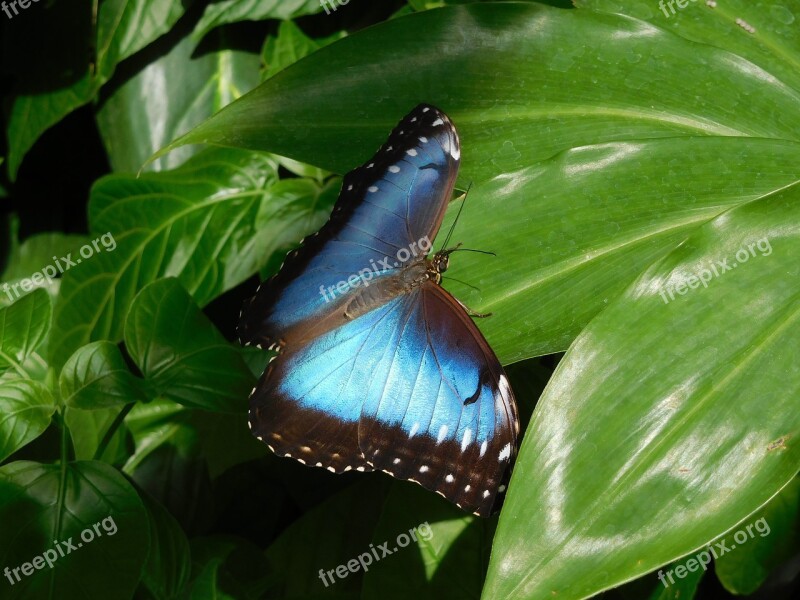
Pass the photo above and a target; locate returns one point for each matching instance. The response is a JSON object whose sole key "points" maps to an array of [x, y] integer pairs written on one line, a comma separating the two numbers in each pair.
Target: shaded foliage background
{"points": [[614, 152]]}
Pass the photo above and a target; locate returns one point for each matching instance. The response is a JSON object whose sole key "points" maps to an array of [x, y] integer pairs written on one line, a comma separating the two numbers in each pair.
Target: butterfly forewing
{"points": [[388, 207]]}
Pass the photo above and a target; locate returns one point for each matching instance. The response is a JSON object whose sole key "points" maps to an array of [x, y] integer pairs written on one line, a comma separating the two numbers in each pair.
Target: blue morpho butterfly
{"points": [[378, 367]]}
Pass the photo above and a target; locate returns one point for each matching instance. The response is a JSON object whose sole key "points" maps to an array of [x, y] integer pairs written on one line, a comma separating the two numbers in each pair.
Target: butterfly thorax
{"points": [[438, 265], [406, 278]]}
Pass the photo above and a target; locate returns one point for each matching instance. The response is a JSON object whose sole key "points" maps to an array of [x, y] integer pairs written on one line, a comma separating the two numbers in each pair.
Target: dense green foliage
{"points": [[633, 165]]}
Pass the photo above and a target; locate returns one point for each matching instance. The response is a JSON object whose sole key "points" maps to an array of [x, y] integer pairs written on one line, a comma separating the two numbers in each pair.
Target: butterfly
{"points": [[377, 366]]}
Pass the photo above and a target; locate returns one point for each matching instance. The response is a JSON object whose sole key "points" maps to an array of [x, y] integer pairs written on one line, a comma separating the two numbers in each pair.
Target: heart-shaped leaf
{"points": [[24, 326], [182, 355], [96, 377], [71, 519], [25, 411]]}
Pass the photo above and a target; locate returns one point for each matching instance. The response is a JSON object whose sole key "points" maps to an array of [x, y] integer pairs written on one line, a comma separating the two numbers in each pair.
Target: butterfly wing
{"points": [[440, 412], [411, 388], [388, 205]]}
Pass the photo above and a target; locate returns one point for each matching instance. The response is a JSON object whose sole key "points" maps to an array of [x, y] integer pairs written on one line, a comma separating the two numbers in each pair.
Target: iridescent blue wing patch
{"points": [[390, 206], [410, 388]]}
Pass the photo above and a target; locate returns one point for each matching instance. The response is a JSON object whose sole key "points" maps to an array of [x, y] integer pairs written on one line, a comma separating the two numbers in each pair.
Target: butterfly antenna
{"points": [[461, 282], [460, 249], [458, 214]]}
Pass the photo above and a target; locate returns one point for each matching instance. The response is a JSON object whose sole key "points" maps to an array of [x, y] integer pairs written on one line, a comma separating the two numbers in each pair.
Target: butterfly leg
{"points": [[471, 312]]}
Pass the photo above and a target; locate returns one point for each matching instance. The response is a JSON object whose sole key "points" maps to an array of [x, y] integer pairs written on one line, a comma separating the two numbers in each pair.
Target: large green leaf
{"points": [[231, 11], [515, 83], [572, 232], [212, 223], [182, 355], [135, 122], [773, 45], [671, 418], [86, 505]]}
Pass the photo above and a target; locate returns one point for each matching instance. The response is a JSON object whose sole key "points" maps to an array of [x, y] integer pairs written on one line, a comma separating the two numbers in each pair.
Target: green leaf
{"points": [[197, 222], [134, 122], [773, 46], [35, 255], [96, 377], [168, 567], [126, 26], [765, 540], [289, 46], [25, 411], [49, 85], [86, 504], [24, 326], [511, 111], [181, 354], [232, 11], [328, 535], [572, 232], [670, 419], [448, 559], [89, 427], [227, 568], [53, 84], [153, 425], [596, 221]]}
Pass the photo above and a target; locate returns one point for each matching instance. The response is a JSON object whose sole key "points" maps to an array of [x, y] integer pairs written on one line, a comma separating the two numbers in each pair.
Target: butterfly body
{"points": [[380, 368]]}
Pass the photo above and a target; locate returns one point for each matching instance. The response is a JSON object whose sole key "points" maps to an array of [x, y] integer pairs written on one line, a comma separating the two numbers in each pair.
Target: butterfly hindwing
{"points": [[440, 411], [410, 388], [389, 205], [308, 402]]}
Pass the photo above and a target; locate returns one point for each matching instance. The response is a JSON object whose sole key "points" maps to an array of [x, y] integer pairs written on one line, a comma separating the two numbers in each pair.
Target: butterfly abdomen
{"points": [[381, 291]]}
